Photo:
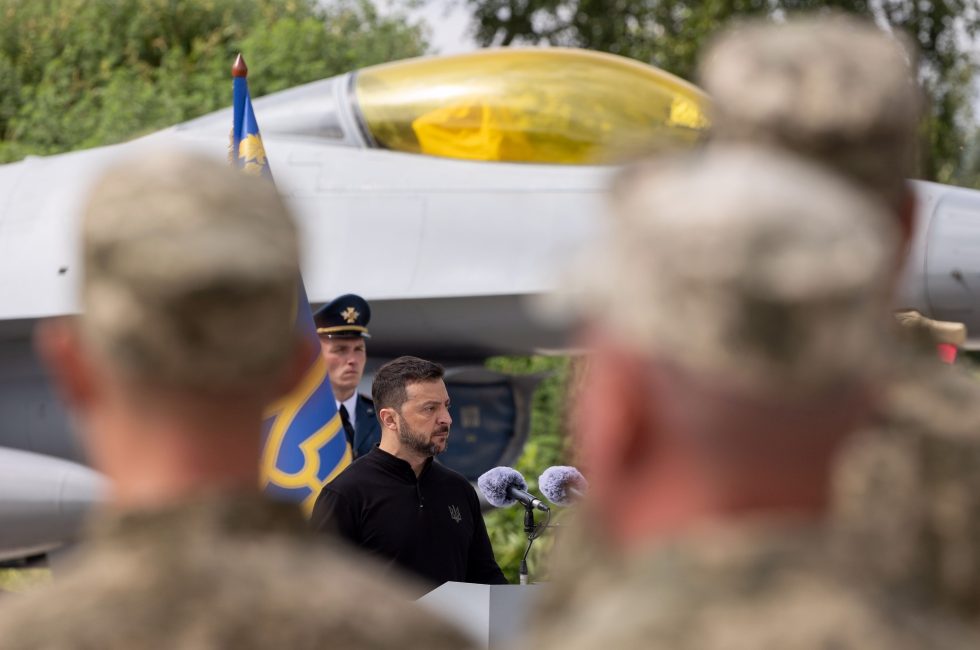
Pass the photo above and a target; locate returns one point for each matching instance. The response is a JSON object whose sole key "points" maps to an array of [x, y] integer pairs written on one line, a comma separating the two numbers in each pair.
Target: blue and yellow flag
{"points": [[305, 445]]}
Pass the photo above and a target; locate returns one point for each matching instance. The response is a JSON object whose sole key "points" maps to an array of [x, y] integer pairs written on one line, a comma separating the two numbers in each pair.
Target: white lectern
{"points": [[494, 615]]}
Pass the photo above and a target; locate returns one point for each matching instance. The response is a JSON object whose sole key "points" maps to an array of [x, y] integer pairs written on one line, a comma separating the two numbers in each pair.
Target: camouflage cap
{"points": [[833, 88], [190, 272], [746, 264]]}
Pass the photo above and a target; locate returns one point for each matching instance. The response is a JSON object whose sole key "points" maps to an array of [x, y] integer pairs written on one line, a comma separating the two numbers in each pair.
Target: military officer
{"points": [[842, 92], [342, 327], [170, 396], [733, 313]]}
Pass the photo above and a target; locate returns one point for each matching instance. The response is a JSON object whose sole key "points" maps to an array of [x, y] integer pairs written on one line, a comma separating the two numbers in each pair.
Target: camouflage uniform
{"points": [[776, 277], [220, 573], [907, 491], [752, 587], [189, 292], [841, 91]]}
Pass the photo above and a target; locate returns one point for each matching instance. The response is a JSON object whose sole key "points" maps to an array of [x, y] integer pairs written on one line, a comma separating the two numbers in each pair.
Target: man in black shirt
{"points": [[396, 502]]}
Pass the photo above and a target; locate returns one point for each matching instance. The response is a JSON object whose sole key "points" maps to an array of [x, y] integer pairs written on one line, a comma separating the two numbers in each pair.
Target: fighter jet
{"points": [[446, 190]]}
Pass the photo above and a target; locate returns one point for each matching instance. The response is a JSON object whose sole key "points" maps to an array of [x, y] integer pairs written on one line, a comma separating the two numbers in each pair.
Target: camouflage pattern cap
{"points": [[190, 272], [833, 88], [746, 264]]}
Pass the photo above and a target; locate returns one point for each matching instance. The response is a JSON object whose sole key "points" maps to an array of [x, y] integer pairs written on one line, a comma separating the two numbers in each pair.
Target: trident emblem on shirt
{"points": [[454, 514]]}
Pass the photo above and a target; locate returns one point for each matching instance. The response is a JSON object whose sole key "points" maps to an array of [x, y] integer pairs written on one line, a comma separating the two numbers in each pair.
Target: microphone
{"points": [[503, 486], [563, 485]]}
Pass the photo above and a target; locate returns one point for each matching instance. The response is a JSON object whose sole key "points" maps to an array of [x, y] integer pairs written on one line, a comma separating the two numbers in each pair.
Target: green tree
{"points": [[75, 73], [670, 33], [968, 172]]}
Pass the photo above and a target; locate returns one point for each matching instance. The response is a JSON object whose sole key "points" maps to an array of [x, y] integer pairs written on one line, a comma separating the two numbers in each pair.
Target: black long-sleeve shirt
{"points": [[430, 526]]}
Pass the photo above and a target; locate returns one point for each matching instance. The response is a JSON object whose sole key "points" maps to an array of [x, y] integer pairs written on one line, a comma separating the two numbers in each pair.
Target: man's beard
{"points": [[421, 443]]}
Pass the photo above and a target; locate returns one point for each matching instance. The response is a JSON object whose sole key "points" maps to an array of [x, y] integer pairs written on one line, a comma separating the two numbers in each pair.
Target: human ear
{"points": [[906, 218], [613, 428], [59, 346], [389, 418]]}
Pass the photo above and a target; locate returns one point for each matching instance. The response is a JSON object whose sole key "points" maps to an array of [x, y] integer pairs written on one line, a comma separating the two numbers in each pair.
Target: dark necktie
{"points": [[348, 427]]}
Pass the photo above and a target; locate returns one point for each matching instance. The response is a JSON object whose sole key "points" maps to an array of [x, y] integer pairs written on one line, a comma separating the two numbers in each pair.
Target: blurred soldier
{"points": [[187, 331], [734, 320], [342, 327], [842, 92], [836, 90]]}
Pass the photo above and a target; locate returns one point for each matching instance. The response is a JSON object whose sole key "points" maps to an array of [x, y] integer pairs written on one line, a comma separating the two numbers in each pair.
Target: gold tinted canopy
{"points": [[547, 105]]}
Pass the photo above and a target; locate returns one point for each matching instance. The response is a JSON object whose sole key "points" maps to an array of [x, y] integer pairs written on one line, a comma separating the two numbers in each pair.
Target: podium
{"points": [[495, 616]]}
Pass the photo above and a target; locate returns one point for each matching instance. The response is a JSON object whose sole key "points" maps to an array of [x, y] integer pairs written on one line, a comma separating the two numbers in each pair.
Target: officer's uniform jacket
{"points": [[367, 429]]}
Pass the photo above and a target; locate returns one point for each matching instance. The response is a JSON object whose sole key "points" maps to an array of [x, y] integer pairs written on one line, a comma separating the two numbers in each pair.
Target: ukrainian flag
{"points": [[305, 445]]}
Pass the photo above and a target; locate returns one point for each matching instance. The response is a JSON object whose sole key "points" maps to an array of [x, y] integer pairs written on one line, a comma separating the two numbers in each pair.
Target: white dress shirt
{"points": [[351, 404]]}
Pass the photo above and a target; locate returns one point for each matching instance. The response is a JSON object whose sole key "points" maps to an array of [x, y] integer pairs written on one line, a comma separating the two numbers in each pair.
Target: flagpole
{"points": [[239, 75], [305, 446]]}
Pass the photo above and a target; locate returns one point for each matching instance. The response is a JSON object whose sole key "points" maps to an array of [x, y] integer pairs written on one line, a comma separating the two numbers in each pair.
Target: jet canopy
{"points": [[548, 105]]}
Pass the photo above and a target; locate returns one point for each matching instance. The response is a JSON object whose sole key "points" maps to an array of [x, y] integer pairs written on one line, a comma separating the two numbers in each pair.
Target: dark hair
{"points": [[388, 388]]}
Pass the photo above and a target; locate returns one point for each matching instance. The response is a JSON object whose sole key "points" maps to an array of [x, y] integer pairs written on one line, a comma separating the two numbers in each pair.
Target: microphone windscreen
{"points": [[561, 483], [495, 483]]}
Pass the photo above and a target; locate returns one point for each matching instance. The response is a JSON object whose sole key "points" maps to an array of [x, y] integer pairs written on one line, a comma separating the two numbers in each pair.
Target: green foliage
{"points": [[670, 33], [22, 579], [547, 444], [75, 73], [968, 172]]}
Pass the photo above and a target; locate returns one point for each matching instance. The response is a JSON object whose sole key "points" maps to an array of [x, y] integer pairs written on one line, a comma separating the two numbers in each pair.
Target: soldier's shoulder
{"points": [[933, 398], [82, 606], [711, 595], [267, 592], [805, 613], [908, 487], [344, 597]]}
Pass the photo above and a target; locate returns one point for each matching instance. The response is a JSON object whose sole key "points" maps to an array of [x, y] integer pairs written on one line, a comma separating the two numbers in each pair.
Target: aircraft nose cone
{"points": [[43, 501], [81, 488]]}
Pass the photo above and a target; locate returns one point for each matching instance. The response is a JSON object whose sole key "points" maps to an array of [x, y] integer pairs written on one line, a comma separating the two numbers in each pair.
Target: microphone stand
{"points": [[533, 532], [529, 529]]}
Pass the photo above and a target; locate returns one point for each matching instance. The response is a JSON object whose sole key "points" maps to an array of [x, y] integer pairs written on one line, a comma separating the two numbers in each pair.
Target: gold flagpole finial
{"points": [[238, 68]]}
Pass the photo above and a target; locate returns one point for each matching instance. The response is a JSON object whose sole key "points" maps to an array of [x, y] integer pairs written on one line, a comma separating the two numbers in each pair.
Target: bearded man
{"points": [[400, 505]]}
